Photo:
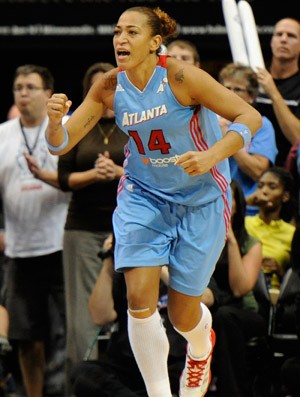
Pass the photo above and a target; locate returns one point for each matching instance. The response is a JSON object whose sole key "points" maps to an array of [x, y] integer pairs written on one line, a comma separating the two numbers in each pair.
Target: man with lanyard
{"points": [[34, 217]]}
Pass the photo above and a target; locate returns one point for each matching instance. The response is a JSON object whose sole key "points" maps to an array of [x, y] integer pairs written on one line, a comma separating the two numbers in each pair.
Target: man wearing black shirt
{"points": [[280, 96]]}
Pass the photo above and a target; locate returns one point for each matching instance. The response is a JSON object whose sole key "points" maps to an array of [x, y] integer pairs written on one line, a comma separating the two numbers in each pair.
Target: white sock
{"points": [[199, 337], [150, 347]]}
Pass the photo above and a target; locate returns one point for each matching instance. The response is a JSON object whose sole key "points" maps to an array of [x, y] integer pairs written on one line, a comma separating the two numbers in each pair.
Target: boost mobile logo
{"points": [[160, 162]]}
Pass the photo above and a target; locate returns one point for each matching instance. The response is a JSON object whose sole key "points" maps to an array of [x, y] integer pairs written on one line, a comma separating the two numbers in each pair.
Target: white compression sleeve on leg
{"points": [[199, 337], [150, 346]]}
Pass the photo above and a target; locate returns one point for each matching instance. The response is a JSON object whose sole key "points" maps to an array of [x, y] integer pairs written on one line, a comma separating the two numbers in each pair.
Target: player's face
{"points": [[133, 41]]}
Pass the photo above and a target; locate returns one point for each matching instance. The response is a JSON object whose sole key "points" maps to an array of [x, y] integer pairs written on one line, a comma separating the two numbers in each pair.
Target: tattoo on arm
{"points": [[110, 83], [179, 76], [89, 120]]}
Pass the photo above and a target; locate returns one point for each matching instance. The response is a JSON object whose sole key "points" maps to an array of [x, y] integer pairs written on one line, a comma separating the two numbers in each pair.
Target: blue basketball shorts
{"points": [[151, 231]]}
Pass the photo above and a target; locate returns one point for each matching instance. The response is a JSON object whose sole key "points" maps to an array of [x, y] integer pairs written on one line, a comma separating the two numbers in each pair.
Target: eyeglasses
{"points": [[237, 90], [30, 88]]}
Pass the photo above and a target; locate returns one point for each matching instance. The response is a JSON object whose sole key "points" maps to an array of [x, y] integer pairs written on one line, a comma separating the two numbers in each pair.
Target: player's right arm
{"points": [[62, 138]]}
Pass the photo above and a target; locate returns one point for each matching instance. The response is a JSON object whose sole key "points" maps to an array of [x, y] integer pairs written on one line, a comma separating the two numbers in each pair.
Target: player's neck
{"points": [[141, 75]]}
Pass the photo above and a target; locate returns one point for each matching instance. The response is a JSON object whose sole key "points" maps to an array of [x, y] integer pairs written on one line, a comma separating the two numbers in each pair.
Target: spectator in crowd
{"points": [[236, 318], [247, 165], [91, 170], [176, 176], [184, 50], [279, 99], [34, 217], [275, 197]]}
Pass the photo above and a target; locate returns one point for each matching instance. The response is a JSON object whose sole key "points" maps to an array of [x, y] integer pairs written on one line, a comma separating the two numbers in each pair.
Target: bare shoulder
{"points": [[180, 72], [107, 81], [184, 79], [104, 87], [110, 80]]}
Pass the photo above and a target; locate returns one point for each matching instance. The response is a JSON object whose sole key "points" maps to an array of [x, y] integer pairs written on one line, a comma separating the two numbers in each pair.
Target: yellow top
{"points": [[276, 238]]}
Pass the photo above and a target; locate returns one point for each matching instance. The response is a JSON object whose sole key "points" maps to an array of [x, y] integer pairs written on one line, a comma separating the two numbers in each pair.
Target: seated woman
{"points": [[236, 319], [275, 197], [247, 165]]}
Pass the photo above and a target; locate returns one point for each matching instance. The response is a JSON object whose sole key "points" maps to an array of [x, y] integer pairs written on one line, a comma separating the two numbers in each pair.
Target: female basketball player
{"points": [[174, 200]]}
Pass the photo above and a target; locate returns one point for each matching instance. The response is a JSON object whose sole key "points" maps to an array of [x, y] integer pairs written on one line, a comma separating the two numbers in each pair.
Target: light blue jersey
{"points": [[161, 129], [163, 215]]}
